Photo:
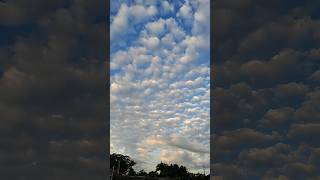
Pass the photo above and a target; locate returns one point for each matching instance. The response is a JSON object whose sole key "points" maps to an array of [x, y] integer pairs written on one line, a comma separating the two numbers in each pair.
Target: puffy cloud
{"points": [[52, 83], [265, 72], [120, 21], [126, 16], [118, 59], [278, 117], [167, 6], [308, 132], [156, 76], [201, 19], [234, 139], [271, 156], [185, 11], [315, 76], [151, 42], [142, 13], [290, 89], [156, 27]]}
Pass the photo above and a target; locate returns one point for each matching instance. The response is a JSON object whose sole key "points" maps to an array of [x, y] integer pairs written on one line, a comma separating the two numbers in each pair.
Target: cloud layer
{"points": [[266, 89], [52, 86], [160, 82]]}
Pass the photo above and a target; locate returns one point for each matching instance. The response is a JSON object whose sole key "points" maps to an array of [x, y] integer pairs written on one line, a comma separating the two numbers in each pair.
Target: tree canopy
{"points": [[172, 170], [126, 163], [162, 169]]}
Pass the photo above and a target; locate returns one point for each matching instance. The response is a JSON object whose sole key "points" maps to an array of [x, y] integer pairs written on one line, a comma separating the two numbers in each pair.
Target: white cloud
{"points": [[115, 88], [167, 6], [175, 30], [119, 59], [141, 13], [190, 54], [196, 42], [201, 23], [129, 15], [150, 42], [156, 27], [185, 11], [120, 21]]}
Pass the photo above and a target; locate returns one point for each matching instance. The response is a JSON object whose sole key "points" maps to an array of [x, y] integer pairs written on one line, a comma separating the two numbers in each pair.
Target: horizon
{"points": [[154, 170]]}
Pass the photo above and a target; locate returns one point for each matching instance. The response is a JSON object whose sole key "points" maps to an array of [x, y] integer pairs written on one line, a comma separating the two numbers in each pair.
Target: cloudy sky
{"points": [[267, 89], [266, 61], [52, 86], [159, 99]]}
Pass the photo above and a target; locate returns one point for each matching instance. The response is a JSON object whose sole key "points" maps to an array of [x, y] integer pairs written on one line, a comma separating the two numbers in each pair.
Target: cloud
{"points": [[167, 6], [177, 141], [185, 11], [265, 87], [234, 139], [52, 84], [315, 76], [129, 15], [272, 156], [201, 19], [156, 27], [119, 58], [290, 90], [304, 131], [151, 42], [278, 117], [120, 21], [142, 13], [161, 68]]}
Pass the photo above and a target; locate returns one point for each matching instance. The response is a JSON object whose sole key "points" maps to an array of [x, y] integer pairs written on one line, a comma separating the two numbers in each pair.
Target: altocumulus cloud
{"points": [[160, 82], [52, 86], [266, 91]]}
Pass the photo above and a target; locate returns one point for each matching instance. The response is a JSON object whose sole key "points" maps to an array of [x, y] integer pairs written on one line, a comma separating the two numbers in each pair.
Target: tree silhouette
{"points": [[132, 172], [126, 163], [162, 169], [153, 174], [142, 173], [172, 170]]}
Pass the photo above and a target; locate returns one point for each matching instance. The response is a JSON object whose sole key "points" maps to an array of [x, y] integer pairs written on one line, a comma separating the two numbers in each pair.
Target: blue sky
{"points": [[160, 82]]}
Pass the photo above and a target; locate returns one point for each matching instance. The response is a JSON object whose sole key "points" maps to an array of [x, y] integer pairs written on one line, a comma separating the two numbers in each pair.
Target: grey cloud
{"points": [[291, 90], [228, 171], [308, 111], [305, 132], [287, 32], [19, 12], [265, 75], [53, 106], [235, 138], [277, 118], [315, 76], [183, 143], [274, 156]]}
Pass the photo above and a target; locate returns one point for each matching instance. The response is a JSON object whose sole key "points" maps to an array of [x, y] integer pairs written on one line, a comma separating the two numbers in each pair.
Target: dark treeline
{"points": [[122, 165]]}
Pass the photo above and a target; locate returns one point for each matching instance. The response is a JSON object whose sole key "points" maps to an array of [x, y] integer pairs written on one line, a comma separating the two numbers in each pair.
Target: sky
{"points": [[265, 57], [52, 86], [160, 84], [267, 88]]}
